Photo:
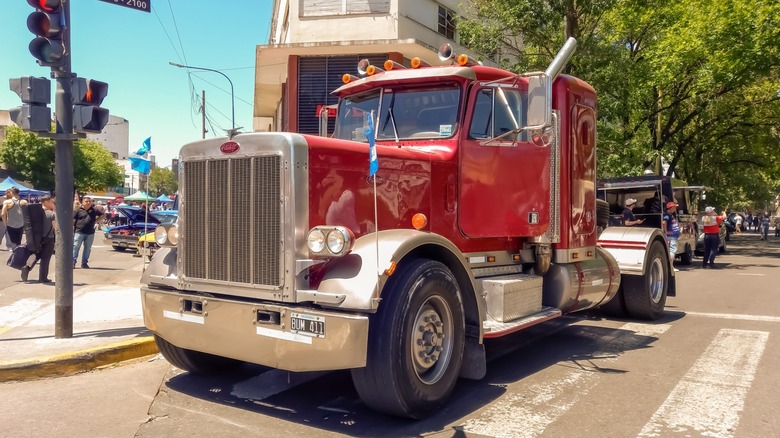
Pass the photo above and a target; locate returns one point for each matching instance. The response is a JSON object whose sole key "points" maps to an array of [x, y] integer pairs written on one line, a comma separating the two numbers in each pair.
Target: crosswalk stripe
{"points": [[739, 316], [20, 311], [529, 412], [709, 399]]}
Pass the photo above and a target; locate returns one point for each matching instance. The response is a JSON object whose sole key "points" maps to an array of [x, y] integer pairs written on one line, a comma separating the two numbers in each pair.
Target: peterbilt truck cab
{"points": [[479, 220]]}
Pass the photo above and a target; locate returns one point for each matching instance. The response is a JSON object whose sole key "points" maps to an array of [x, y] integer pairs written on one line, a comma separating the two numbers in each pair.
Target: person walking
{"points": [[672, 228], [48, 231], [629, 220], [12, 216], [765, 225], [712, 223], [84, 221]]}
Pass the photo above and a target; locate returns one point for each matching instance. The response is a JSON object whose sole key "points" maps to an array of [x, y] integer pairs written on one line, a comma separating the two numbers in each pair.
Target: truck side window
{"points": [[497, 111]]}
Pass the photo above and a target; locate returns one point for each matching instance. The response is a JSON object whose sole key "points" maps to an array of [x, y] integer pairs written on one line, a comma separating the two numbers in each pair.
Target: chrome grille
{"points": [[231, 220]]}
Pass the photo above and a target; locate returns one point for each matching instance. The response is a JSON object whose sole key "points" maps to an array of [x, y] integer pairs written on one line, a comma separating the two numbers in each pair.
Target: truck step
{"points": [[495, 329], [511, 297]]}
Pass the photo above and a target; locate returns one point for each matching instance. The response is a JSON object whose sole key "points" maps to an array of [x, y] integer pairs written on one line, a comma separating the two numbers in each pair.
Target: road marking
{"points": [[763, 318], [20, 311], [757, 275], [709, 399], [527, 413]]}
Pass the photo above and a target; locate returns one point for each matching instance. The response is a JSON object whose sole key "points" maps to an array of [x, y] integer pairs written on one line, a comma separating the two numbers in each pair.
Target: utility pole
{"points": [[63, 187], [203, 111]]}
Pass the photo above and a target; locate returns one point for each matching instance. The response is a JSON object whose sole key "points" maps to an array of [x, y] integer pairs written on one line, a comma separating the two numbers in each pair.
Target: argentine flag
{"points": [[373, 160], [137, 160]]}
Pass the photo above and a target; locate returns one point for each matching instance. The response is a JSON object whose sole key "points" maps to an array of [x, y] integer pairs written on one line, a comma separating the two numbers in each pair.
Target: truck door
{"points": [[504, 182]]}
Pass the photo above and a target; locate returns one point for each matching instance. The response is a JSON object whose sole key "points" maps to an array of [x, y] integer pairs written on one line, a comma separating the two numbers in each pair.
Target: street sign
{"points": [[138, 5]]}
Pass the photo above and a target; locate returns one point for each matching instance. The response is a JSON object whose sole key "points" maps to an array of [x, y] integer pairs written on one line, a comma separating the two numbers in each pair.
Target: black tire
{"points": [[687, 257], [722, 248], [645, 296], [194, 361], [415, 346], [119, 248], [602, 213], [616, 307]]}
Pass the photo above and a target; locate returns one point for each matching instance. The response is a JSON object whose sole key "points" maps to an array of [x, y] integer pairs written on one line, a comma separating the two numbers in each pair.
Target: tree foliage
{"points": [[694, 82], [32, 158], [162, 181]]}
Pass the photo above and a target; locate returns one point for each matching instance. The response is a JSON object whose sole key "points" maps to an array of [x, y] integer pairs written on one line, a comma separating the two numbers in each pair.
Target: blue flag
{"points": [[145, 148], [373, 160], [140, 165]]}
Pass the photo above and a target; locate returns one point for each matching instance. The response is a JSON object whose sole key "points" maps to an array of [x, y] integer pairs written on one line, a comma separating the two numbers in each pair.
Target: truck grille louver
{"points": [[231, 225]]}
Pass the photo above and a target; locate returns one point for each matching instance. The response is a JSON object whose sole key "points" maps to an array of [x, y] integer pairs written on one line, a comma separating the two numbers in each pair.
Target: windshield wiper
{"points": [[395, 130]]}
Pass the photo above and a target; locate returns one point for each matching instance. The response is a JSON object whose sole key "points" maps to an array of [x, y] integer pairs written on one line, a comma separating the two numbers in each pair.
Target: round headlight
{"points": [[316, 241], [173, 234], [336, 241], [160, 235]]}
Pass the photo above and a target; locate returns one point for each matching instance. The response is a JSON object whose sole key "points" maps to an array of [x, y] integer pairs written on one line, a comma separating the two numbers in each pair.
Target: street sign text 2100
{"points": [[139, 5]]}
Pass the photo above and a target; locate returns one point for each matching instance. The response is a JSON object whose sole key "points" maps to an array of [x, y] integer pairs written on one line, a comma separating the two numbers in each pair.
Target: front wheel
{"points": [[416, 342], [645, 296], [119, 248], [195, 361]]}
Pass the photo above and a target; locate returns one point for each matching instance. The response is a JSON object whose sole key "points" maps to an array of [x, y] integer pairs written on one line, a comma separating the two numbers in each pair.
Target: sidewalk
{"points": [[107, 328]]}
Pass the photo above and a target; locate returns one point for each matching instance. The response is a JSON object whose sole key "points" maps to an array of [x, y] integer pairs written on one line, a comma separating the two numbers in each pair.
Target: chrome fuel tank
{"points": [[583, 285]]}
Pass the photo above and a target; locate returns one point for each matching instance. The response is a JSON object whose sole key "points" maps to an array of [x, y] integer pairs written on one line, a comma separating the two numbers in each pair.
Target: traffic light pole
{"points": [[63, 186]]}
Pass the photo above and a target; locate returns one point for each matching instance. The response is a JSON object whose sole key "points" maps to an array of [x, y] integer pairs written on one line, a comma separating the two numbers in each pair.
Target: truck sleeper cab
{"points": [[479, 222]]}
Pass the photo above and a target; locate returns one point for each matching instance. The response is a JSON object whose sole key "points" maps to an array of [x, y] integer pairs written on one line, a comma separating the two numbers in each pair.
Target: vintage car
{"points": [[137, 223], [147, 245]]}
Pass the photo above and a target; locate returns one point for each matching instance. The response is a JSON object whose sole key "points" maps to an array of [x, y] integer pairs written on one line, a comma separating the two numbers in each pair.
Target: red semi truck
{"points": [[480, 221]]}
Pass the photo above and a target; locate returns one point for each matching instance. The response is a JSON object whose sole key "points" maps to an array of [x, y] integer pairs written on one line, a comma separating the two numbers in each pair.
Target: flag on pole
{"points": [[373, 160], [137, 160]]}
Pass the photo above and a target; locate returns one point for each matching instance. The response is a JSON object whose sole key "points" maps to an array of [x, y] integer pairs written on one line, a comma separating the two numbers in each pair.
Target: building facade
{"points": [[314, 42]]}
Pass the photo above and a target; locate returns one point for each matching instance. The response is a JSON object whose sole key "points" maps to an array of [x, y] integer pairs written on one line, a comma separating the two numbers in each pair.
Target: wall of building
{"points": [[115, 137], [317, 21]]}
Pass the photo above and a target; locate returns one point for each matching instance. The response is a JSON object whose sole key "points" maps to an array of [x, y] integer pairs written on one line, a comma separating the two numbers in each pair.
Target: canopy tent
{"points": [[24, 191], [139, 196], [163, 198]]}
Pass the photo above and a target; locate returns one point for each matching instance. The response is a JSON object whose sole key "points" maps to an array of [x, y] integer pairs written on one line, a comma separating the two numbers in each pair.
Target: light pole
{"points": [[232, 131]]}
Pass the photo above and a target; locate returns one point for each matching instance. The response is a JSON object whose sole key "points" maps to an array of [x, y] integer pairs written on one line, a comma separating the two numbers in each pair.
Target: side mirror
{"points": [[539, 101]]}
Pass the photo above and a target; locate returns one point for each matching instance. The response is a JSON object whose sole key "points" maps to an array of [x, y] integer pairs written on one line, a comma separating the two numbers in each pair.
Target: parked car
{"points": [[723, 238], [147, 245], [125, 236]]}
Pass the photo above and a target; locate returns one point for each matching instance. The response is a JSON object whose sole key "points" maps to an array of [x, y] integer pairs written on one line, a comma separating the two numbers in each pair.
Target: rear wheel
{"points": [[687, 256], [416, 342], [616, 306], [195, 361], [645, 296], [722, 248]]}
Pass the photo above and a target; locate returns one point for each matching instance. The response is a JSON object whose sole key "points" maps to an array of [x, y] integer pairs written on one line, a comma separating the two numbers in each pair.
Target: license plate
{"points": [[308, 325], [144, 251]]}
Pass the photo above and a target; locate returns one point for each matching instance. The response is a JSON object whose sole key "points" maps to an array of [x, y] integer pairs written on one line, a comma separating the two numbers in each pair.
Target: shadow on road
{"points": [[331, 403]]}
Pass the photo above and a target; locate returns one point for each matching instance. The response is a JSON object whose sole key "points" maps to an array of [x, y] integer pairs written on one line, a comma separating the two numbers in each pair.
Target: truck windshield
{"points": [[409, 113]]}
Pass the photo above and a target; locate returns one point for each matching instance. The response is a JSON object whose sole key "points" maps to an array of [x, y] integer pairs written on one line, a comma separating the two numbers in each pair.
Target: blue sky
{"points": [[130, 50]]}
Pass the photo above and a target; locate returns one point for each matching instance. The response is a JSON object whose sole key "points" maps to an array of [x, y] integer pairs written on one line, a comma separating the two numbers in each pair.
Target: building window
{"points": [[446, 23], [318, 8]]}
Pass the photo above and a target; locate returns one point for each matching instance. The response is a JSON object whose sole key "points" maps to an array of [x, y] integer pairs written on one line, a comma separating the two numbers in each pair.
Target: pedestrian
{"points": [[776, 224], [749, 221], [712, 223], [12, 216], [84, 221], [671, 226], [48, 231], [765, 225], [629, 220], [738, 223]]}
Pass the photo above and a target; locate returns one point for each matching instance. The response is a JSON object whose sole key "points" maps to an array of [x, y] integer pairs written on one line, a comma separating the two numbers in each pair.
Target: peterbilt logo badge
{"points": [[229, 147]]}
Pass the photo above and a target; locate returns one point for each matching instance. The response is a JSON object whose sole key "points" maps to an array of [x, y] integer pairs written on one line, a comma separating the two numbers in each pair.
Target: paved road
{"points": [[707, 368]]}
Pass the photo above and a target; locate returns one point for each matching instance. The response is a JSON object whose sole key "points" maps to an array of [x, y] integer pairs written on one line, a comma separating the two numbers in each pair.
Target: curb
{"points": [[67, 364]]}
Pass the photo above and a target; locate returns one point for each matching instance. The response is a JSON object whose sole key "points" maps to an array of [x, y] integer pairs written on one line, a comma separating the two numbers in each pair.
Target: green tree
{"points": [[691, 81], [162, 181], [32, 158]]}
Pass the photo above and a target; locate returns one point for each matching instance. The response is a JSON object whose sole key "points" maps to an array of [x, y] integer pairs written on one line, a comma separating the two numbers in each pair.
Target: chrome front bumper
{"points": [[256, 332]]}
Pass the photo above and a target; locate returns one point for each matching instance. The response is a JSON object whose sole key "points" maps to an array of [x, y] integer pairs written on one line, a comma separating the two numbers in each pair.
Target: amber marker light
{"points": [[491, 259], [347, 78], [419, 221], [417, 63], [392, 65], [389, 271], [464, 60], [516, 257]]}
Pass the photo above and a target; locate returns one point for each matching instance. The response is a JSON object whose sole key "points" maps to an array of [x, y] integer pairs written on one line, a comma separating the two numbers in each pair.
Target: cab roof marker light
{"points": [[392, 65], [372, 70], [417, 63], [347, 78], [465, 61]]}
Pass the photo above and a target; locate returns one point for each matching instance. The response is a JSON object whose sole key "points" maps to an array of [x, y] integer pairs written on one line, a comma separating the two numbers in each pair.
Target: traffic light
{"points": [[88, 94], [48, 24], [34, 114]]}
